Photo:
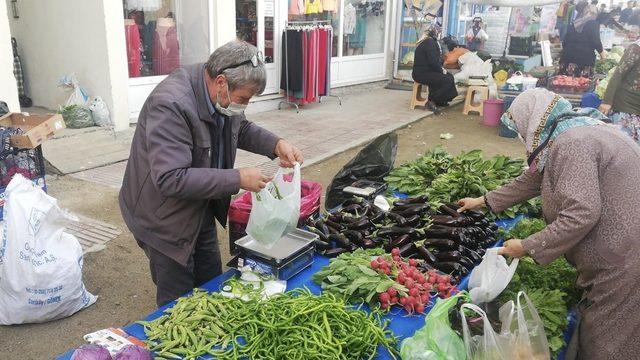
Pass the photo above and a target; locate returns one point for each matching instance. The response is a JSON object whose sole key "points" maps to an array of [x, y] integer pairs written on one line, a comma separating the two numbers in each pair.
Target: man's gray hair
{"points": [[233, 53]]}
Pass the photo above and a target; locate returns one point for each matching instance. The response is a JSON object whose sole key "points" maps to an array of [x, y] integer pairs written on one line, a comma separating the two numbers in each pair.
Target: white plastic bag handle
{"points": [[489, 279]]}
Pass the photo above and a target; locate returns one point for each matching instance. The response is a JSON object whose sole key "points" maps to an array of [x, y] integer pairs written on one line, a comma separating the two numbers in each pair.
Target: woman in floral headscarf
{"points": [[587, 175]]}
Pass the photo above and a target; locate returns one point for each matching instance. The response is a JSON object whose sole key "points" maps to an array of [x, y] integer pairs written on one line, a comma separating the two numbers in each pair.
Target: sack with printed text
{"points": [[40, 264]]}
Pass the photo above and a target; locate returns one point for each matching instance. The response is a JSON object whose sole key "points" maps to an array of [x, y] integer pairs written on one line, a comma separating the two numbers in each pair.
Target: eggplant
{"points": [[396, 231], [340, 240], [449, 267], [400, 241], [368, 244], [333, 230], [441, 244], [378, 241], [413, 210], [414, 221], [333, 224], [352, 201], [354, 236], [408, 250], [352, 209], [472, 255], [452, 256], [377, 218], [322, 245], [426, 255], [360, 224], [417, 200], [452, 212], [320, 225], [398, 219], [334, 252], [494, 227], [475, 214], [323, 236], [466, 262], [444, 233]]}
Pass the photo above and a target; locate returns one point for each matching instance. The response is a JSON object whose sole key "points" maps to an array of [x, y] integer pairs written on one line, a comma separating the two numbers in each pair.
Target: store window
{"points": [[247, 26], [317, 11], [415, 21], [363, 27], [164, 34]]}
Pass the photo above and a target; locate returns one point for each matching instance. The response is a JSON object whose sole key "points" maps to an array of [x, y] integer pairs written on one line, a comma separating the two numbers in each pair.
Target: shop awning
{"points": [[513, 3]]}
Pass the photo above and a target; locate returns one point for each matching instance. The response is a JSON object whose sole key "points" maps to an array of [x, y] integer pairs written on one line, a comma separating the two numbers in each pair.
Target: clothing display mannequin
{"points": [[166, 53], [134, 55]]}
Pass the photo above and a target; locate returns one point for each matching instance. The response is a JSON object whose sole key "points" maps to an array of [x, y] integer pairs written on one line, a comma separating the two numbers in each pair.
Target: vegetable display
{"points": [[294, 325], [446, 240], [446, 179], [552, 288], [383, 280], [564, 83]]}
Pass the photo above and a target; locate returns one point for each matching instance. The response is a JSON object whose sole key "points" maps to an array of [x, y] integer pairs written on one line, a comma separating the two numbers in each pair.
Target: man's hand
{"points": [[470, 203], [288, 154], [512, 248], [604, 108], [252, 179]]}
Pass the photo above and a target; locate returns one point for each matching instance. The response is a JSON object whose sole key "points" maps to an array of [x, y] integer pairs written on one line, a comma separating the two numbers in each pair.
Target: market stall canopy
{"points": [[513, 3]]}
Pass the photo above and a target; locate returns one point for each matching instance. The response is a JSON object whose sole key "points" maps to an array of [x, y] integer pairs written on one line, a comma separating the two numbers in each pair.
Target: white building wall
{"points": [[59, 37], [8, 87]]}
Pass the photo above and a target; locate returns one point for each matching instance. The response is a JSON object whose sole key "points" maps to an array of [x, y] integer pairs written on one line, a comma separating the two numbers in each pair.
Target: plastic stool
{"points": [[416, 96], [470, 105]]}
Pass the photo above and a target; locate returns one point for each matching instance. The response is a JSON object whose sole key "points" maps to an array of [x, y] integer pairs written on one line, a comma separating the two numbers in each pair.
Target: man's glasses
{"points": [[255, 61]]}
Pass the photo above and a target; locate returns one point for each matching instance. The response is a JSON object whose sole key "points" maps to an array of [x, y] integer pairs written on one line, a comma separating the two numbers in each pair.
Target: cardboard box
{"points": [[36, 128]]}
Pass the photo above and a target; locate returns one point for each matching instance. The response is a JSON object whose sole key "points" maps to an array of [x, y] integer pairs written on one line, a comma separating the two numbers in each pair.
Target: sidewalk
{"points": [[320, 130]]}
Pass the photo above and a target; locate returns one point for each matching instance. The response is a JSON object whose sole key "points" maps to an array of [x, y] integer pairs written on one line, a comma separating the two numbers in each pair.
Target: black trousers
{"points": [[442, 87], [173, 279]]}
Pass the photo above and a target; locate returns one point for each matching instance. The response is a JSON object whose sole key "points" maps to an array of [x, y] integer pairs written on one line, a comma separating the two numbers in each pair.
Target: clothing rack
{"points": [[289, 25]]}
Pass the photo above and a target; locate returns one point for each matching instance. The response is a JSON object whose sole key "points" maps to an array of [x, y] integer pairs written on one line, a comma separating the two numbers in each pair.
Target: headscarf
{"points": [[585, 15], [539, 116], [433, 31]]}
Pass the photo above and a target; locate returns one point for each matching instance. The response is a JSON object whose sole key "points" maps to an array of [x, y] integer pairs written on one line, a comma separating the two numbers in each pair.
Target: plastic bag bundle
{"points": [[491, 277], [275, 209], [488, 346], [436, 340], [75, 112], [100, 112], [40, 264], [522, 320]]}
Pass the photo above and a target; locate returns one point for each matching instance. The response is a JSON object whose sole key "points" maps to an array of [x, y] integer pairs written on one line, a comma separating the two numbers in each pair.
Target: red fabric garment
{"points": [[322, 61], [134, 55], [312, 73], [166, 53]]}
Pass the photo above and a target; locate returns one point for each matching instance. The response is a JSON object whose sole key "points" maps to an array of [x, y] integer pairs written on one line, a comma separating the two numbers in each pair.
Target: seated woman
{"points": [[428, 70], [622, 98]]}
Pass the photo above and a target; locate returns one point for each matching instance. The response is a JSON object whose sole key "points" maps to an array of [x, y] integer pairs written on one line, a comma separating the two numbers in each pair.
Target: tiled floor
{"points": [[319, 130]]}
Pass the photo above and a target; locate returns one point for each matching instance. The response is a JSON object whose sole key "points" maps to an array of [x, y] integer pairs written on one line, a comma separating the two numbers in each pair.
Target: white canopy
{"points": [[513, 3]]}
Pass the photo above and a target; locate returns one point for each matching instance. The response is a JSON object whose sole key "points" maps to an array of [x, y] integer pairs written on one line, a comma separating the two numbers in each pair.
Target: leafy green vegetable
{"points": [[524, 228], [350, 276], [445, 178]]}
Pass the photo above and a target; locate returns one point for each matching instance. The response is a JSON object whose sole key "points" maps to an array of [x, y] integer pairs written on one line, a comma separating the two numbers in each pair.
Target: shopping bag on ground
{"points": [[523, 321], [489, 345], [40, 264], [275, 209], [436, 340], [491, 277]]}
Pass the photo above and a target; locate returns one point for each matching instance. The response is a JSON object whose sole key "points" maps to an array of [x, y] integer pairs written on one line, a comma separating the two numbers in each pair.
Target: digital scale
{"points": [[366, 189], [287, 257]]}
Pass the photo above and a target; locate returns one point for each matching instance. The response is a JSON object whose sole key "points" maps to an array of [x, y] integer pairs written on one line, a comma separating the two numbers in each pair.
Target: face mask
{"points": [[234, 109]]}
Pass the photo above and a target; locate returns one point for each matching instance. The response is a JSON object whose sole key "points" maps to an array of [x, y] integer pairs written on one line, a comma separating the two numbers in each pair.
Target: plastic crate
{"points": [[27, 162]]}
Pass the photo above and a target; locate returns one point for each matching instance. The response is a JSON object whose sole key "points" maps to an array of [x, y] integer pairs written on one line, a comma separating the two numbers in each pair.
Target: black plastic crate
{"points": [[27, 162]]}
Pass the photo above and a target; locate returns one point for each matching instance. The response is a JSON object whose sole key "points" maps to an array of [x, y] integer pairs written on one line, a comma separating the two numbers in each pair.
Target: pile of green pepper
{"points": [[294, 325]]}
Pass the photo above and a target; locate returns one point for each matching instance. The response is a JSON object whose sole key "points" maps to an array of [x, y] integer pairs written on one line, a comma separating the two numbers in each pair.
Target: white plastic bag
{"points": [[491, 277], [78, 96], [40, 264], [275, 209], [100, 112], [490, 345], [523, 321]]}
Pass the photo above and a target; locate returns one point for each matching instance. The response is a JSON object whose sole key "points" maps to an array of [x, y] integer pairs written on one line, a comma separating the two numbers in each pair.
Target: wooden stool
{"points": [[416, 96], [470, 105]]}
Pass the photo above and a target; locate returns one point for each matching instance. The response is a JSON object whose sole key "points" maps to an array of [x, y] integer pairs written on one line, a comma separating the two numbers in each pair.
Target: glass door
{"points": [[256, 23]]}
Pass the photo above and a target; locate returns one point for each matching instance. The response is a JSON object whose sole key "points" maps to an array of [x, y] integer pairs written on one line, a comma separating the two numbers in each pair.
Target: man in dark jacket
{"points": [[180, 174]]}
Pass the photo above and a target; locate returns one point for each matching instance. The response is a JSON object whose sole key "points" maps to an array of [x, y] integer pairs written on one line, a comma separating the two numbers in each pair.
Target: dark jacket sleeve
{"points": [[170, 146], [256, 139], [594, 37], [433, 55]]}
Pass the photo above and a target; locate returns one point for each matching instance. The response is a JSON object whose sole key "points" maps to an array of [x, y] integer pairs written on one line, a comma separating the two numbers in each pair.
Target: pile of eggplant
{"points": [[445, 239]]}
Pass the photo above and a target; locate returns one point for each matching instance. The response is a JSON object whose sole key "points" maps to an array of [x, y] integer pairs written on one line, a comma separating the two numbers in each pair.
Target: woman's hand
{"points": [[604, 108], [512, 248], [470, 203]]}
